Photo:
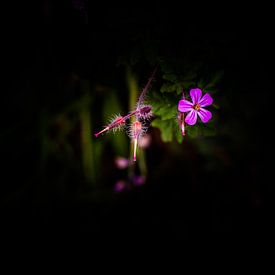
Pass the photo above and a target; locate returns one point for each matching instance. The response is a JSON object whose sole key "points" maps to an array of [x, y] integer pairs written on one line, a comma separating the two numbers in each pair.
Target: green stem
{"points": [[142, 163], [88, 160], [133, 92]]}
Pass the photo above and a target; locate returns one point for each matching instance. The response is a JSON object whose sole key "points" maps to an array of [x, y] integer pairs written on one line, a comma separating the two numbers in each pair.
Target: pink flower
{"points": [[145, 141], [195, 107], [121, 163], [139, 180]]}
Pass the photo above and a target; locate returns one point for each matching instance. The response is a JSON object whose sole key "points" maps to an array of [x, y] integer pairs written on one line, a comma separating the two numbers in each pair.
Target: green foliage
{"points": [[166, 128], [165, 104], [180, 73]]}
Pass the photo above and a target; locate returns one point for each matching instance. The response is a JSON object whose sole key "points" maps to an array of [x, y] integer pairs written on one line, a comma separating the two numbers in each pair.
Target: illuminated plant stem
{"points": [[140, 110], [133, 96], [133, 91], [135, 149], [146, 88], [88, 157], [142, 163]]}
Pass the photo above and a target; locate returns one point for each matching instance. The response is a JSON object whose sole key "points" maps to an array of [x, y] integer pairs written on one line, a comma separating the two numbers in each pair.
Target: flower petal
{"points": [[185, 106], [206, 100], [205, 115], [191, 118], [195, 95]]}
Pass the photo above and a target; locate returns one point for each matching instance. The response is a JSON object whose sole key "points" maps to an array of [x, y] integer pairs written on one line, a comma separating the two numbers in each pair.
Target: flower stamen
{"points": [[137, 130], [197, 107]]}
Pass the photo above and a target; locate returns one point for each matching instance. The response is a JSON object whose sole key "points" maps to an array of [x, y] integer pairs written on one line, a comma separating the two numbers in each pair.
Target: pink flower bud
{"points": [[139, 180], [181, 123]]}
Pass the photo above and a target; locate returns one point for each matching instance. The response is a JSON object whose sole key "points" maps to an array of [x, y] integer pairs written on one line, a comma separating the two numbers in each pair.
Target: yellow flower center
{"points": [[196, 107]]}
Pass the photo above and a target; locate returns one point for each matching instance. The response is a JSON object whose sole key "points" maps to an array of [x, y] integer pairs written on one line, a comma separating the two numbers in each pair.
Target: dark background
{"points": [[224, 194]]}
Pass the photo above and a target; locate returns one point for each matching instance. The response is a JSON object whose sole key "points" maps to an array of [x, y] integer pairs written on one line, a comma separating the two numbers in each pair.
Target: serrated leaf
{"points": [[167, 112], [155, 100]]}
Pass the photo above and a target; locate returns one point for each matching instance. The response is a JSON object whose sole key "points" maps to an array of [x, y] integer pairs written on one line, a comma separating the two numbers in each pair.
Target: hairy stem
{"points": [[146, 88]]}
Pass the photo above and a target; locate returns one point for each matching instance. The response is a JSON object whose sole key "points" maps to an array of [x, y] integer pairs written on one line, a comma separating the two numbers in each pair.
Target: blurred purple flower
{"points": [[120, 186], [145, 141], [139, 180], [121, 163], [195, 107]]}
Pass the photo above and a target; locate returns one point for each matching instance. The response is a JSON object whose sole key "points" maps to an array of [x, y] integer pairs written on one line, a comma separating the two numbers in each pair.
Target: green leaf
{"points": [[166, 129], [168, 88], [177, 133], [167, 112]]}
